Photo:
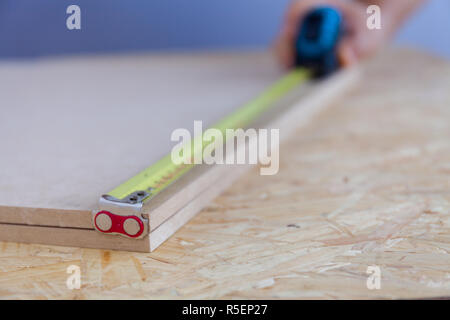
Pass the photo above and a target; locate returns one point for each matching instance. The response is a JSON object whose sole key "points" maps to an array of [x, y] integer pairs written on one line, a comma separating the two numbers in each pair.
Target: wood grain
{"points": [[365, 184], [76, 128], [166, 212], [188, 195]]}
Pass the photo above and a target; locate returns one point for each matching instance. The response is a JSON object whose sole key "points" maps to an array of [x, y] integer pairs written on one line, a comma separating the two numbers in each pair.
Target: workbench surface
{"points": [[366, 184]]}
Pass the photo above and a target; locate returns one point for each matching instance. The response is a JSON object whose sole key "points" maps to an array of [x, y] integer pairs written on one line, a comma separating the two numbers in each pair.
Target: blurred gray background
{"points": [[31, 28]]}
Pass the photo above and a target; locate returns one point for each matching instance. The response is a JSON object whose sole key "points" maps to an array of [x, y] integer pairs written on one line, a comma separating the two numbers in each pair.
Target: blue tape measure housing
{"points": [[318, 37]]}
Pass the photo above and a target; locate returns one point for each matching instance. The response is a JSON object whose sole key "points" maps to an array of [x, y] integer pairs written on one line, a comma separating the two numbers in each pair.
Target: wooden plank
{"points": [[296, 110], [45, 217], [70, 237], [172, 207], [364, 184], [76, 128], [206, 182]]}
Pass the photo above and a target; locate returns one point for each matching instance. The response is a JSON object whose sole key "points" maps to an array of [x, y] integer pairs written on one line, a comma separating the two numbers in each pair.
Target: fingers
{"points": [[346, 53], [285, 50], [359, 42], [354, 45], [285, 45]]}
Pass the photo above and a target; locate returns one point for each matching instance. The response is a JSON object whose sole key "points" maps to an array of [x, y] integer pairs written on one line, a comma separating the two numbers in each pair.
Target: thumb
{"points": [[347, 53]]}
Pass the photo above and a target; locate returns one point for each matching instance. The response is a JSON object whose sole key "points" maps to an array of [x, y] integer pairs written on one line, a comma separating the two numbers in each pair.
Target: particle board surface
{"points": [[365, 184], [74, 129], [27, 172]]}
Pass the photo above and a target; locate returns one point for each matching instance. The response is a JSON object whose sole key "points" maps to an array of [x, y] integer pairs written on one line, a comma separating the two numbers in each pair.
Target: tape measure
{"points": [[120, 210]]}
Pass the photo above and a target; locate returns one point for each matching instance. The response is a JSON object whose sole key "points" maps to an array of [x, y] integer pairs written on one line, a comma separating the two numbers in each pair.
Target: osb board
{"points": [[75, 128], [365, 184]]}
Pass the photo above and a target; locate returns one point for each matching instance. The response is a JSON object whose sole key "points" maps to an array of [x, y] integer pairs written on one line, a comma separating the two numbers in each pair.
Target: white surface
{"points": [[73, 129]]}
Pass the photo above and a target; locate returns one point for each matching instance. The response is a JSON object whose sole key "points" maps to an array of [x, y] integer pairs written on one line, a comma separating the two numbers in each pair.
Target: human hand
{"points": [[358, 40]]}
